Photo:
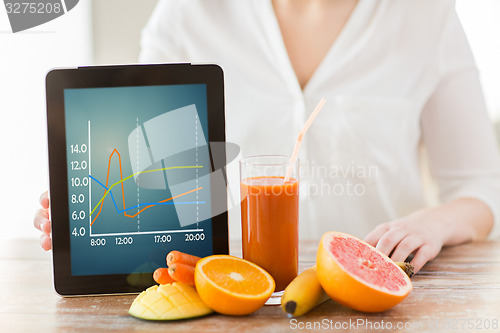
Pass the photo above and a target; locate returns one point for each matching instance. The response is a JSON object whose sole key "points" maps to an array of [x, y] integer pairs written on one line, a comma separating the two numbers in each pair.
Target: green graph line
{"points": [[138, 173]]}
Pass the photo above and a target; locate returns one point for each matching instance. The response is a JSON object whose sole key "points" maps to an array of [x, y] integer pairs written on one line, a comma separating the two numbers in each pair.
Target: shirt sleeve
{"points": [[457, 133], [160, 38]]}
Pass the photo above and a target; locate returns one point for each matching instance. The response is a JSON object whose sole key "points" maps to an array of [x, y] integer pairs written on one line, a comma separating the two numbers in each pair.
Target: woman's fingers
{"points": [[388, 242], [45, 242], [424, 254], [374, 236], [44, 200], [46, 227], [386, 238], [41, 220], [407, 246]]}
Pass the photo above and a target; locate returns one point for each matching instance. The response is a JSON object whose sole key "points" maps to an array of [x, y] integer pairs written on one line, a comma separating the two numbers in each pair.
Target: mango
{"points": [[172, 301]]}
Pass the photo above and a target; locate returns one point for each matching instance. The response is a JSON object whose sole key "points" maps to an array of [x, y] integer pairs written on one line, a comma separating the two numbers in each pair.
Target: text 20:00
{"points": [[194, 237]]}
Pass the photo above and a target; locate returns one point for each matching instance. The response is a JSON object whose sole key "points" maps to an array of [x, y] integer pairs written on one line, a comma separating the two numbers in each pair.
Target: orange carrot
{"points": [[182, 273], [161, 276], [181, 258]]}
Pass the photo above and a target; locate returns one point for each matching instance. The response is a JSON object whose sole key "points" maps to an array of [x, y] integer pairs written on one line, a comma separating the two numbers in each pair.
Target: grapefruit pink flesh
{"points": [[367, 265], [357, 275]]}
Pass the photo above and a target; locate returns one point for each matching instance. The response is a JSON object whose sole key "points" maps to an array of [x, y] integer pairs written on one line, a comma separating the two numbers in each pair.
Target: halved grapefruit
{"points": [[357, 275]]}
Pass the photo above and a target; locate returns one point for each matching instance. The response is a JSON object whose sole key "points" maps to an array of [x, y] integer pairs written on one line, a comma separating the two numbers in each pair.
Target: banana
{"points": [[303, 294], [406, 267]]}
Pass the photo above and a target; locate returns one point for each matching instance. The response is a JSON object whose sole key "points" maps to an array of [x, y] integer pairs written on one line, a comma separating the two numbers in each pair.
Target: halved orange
{"points": [[231, 285], [357, 275]]}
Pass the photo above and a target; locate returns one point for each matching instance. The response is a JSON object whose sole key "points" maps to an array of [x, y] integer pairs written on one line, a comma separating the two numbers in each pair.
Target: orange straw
{"points": [[308, 123]]}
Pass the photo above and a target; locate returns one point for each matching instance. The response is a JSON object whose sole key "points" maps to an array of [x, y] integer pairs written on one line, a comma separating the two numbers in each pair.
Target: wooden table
{"points": [[459, 291]]}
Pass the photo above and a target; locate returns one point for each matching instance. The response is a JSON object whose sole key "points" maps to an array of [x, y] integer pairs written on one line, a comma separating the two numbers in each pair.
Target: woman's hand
{"points": [[425, 232], [42, 222], [412, 234]]}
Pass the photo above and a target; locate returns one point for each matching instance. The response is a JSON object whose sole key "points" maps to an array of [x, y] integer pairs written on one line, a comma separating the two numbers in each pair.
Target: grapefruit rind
{"points": [[349, 289]]}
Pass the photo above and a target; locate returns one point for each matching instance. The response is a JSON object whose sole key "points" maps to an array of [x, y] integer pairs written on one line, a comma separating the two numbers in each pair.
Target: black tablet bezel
{"points": [[117, 76]]}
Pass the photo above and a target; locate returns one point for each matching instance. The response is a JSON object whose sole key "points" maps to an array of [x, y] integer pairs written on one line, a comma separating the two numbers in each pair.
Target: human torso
{"points": [[360, 162], [309, 29]]}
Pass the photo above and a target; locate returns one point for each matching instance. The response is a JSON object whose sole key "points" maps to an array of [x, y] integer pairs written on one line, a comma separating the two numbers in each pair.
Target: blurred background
{"points": [[100, 32]]}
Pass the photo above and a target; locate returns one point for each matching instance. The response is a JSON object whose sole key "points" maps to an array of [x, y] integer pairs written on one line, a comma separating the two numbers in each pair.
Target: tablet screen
{"points": [[137, 166]]}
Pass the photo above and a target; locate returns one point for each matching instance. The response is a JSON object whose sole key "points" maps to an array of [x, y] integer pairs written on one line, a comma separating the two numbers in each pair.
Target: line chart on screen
{"points": [[113, 202]]}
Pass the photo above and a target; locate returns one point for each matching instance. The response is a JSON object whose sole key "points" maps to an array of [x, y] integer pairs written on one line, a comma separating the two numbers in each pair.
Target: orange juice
{"points": [[269, 217]]}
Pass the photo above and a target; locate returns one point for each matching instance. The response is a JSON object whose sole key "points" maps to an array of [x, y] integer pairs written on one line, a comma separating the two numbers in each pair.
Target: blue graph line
{"points": [[145, 203]]}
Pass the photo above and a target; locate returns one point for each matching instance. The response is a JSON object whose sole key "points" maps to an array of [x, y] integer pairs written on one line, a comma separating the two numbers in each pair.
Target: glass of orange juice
{"points": [[270, 215]]}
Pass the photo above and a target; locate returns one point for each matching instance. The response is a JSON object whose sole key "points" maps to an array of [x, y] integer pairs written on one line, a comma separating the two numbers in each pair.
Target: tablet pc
{"points": [[133, 172]]}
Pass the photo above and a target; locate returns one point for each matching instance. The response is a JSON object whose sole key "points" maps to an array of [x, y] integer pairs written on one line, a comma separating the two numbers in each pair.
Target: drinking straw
{"points": [[308, 123]]}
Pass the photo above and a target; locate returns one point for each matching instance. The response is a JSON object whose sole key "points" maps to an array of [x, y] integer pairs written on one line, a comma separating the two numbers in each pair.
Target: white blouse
{"points": [[399, 77]]}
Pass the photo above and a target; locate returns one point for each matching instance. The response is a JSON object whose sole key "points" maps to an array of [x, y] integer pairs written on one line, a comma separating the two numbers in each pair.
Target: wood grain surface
{"points": [[457, 292]]}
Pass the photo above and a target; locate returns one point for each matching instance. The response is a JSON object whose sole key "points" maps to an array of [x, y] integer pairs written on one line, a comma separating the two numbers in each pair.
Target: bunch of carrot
{"points": [[180, 268]]}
